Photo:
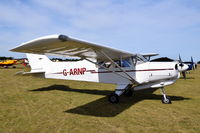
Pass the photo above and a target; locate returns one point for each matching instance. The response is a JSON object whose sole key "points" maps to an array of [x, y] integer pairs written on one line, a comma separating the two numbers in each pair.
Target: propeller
{"points": [[192, 62], [182, 67], [181, 62]]}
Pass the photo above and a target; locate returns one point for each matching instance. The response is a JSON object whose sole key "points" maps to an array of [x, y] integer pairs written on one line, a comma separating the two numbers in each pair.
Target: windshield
{"points": [[139, 59]]}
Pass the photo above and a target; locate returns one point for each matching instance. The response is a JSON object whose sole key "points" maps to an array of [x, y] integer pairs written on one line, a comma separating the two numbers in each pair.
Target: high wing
{"points": [[62, 45]]}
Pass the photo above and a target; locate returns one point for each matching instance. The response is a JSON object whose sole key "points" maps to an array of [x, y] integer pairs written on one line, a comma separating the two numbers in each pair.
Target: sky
{"points": [[166, 27]]}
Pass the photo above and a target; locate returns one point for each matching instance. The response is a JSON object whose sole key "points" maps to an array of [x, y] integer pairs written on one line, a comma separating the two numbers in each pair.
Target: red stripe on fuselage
{"points": [[94, 71]]}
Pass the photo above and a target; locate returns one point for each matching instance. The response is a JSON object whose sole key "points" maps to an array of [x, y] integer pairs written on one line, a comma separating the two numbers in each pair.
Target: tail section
{"points": [[38, 62]]}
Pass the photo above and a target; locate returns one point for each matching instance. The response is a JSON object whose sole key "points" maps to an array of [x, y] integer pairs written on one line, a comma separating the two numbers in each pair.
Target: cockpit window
{"points": [[126, 63], [103, 64], [139, 59], [121, 63]]}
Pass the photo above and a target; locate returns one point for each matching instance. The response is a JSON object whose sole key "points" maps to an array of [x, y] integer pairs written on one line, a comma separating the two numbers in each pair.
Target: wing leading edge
{"points": [[62, 45]]}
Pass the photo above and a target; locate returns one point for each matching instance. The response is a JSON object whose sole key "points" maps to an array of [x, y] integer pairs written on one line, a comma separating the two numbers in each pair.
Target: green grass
{"points": [[35, 105]]}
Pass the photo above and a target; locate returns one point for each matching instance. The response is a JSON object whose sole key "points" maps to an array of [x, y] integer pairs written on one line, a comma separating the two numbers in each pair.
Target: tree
{"points": [[6, 58]]}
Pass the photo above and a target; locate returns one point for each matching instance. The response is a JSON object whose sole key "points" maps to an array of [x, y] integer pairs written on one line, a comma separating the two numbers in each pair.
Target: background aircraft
{"points": [[8, 63]]}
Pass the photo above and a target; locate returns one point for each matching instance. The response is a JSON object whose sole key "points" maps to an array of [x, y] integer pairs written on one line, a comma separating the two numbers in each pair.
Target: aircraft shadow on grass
{"points": [[101, 107], [187, 78]]}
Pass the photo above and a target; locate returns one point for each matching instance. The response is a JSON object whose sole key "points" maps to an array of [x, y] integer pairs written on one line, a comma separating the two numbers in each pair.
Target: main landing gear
{"points": [[114, 98], [165, 99], [128, 91], [121, 89]]}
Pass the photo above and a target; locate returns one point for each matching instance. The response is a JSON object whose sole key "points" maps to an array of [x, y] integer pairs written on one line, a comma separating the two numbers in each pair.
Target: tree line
{"points": [[6, 58]]}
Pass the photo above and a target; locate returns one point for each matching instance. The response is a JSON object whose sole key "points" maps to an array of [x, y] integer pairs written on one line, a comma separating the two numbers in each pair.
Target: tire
{"points": [[5, 67], [167, 101], [128, 93], [113, 98]]}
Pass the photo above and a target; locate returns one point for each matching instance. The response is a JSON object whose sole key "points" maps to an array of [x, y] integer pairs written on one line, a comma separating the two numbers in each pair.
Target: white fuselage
{"points": [[146, 74], [86, 71]]}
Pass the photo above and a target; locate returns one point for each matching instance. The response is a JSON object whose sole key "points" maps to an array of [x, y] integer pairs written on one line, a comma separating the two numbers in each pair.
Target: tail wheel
{"points": [[5, 66], [113, 98]]}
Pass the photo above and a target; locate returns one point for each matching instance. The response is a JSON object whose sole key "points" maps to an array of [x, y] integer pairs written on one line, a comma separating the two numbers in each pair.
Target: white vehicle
{"points": [[129, 71]]}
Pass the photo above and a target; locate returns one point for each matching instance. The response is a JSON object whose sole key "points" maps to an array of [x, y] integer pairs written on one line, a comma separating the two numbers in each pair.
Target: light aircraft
{"points": [[8, 63], [129, 71]]}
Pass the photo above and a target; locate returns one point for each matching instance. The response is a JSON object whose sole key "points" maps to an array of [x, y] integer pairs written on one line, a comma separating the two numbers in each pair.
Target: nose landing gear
{"points": [[165, 99]]}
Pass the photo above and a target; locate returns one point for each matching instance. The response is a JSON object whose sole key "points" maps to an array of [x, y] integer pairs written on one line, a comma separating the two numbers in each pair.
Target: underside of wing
{"points": [[62, 45]]}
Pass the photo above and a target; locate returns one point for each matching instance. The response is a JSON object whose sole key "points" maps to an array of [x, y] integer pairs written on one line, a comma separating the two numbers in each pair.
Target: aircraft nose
{"points": [[182, 67]]}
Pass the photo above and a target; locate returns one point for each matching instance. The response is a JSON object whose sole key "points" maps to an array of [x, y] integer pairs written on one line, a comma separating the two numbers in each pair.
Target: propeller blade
{"points": [[193, 67], [180, 58], [184, 75], [192, 60]]}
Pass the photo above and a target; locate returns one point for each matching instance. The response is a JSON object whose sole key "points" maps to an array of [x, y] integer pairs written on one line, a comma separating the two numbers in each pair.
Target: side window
{"points": [[108, 64], [126, 63], [123, 63], [118, 62], [104, 64]]}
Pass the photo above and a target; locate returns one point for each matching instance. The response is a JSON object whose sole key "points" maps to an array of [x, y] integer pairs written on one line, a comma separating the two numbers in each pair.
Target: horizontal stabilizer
{"points": [[37, 74]]}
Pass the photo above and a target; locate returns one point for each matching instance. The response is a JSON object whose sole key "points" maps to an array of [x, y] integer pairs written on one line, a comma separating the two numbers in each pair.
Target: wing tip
{"points": [[61, 37], [13, 50]]}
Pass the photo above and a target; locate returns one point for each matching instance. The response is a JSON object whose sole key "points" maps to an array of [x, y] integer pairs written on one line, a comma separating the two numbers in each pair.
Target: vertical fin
{"points": [[38, 62]]}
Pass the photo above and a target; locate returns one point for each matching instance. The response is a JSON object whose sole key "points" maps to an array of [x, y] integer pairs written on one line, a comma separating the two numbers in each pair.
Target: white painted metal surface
{"points": [[98, 64]]}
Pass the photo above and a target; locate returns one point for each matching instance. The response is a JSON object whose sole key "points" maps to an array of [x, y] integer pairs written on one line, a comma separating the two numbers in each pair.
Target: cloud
{"points": [[97, 15], [21, 17], [104, 14], [130, 25]]}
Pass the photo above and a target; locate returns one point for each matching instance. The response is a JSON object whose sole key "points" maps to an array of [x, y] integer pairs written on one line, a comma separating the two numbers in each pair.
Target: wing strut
{"points": [[108, 69], [132, 80]]}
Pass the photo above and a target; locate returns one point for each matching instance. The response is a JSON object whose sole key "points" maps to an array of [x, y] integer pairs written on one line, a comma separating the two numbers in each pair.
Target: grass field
{"points": [[35, 105]]}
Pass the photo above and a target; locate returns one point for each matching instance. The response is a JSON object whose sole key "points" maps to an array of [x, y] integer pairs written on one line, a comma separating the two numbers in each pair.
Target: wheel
{"points": [[113, 98], [5, 66], [128, 93], [167, 100], [14, 67]]}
